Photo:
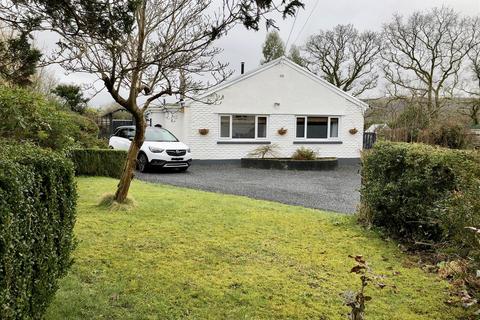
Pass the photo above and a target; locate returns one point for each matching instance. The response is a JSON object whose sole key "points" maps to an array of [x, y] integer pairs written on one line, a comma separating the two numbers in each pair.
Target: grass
{"points": [[107, 201], [185, 254]]}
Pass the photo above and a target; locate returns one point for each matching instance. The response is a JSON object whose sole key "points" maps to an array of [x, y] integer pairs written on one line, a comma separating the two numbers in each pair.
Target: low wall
{"points": [[290, 164]]}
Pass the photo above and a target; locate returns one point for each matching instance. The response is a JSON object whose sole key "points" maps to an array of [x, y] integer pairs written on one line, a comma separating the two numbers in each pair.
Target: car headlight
{"points": [[155, 149]]}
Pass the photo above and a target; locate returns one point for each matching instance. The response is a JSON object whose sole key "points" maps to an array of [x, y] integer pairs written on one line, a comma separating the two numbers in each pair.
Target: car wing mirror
{"points": [[130, 138]]}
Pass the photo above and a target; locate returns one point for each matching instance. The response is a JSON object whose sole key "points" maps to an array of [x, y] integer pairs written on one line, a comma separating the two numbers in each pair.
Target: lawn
{"points": [[185, 254]]}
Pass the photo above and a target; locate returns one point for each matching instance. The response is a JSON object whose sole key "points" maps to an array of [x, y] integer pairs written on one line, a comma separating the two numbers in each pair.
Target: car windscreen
{"points": [[160, 135]]}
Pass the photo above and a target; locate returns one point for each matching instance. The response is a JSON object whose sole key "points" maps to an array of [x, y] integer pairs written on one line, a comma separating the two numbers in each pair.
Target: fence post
{"points": [[369, 139]]}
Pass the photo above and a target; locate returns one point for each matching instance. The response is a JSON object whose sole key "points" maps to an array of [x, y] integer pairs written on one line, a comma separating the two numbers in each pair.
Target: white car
{"points": [[160, 148]]}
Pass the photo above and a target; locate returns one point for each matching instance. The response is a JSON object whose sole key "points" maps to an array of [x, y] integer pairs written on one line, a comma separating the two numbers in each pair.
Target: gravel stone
{"points": [[335, 190]]}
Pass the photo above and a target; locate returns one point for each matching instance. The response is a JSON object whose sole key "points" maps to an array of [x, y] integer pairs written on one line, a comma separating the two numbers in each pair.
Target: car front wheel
{"points": [[142, 162]]}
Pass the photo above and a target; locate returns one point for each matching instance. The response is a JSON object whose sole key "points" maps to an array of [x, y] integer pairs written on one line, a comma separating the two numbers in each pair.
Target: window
{"points": [[261, 127], [160, 135], [225, 126], [301, 127], [316, 127], [333, 127], [243, 126], [126, 133]]}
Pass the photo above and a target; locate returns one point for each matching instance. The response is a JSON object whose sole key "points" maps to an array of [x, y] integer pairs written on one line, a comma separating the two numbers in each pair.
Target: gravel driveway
{"points": [[330, 190]]}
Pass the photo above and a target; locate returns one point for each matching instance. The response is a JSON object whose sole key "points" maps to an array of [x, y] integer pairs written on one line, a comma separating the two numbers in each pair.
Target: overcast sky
{"points": [[242, 45]]}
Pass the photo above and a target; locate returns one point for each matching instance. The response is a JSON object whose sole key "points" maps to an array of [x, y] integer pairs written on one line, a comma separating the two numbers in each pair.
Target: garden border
{"points": [[319, 164]]}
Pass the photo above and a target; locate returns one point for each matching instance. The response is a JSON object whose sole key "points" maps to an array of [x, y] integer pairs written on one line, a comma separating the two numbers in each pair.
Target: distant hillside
{"points": [[385, 110]]}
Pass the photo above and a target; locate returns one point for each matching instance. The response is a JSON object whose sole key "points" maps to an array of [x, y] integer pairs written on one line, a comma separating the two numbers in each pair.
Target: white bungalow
{"points": [[279, 102]]}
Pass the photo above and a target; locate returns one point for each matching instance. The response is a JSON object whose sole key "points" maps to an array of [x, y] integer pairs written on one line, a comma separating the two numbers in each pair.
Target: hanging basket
{"points": [[282, 131], [203, 131], [353, 131]]}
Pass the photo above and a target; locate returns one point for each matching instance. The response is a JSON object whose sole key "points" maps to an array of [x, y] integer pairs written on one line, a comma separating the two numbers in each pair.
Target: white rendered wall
{"points": [[177, 126], [206, 147]]}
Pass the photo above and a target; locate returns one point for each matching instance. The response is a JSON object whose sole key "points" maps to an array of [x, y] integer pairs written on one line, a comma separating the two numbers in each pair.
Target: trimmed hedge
{"points": [[420, 193], [37, 216], [98, 162]]}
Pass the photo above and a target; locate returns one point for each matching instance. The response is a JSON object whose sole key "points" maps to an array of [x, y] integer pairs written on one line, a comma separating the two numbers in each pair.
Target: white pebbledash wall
{"points": [[280, 90], [173, 121]]}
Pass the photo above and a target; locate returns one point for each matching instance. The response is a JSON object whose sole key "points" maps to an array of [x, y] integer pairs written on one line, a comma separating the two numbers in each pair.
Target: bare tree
{"points": [[345, 57], [472, 88], [140, 49], [424, 53], [44, 81]]}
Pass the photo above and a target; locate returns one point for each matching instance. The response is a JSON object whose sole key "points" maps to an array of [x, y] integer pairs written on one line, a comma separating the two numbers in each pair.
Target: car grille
{"points": [[176, 153], [175, 165]]}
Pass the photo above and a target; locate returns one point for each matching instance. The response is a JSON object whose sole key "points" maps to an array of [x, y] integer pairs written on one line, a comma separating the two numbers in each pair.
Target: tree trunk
{"points": [[430, 107], [474, 112], [130, 164]]}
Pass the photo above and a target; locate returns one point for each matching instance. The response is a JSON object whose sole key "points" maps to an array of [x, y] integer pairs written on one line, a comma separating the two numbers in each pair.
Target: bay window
{"points": [[243, 127], [317, 127]]}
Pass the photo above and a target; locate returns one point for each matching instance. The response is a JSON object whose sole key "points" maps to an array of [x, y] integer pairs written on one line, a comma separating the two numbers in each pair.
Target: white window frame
{"points": [[220, 126], [256, 127], [305, 117], [231, 127]]}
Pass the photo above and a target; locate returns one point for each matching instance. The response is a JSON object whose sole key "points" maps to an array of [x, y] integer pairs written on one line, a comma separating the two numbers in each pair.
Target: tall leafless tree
{"points": [[472, 87], [345, 57], [140, 49], [423, 55]]}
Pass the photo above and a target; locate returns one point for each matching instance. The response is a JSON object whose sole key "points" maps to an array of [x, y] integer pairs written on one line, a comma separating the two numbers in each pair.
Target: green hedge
{"points": [[30, 116], [98, 162], [420, 193], [37, 216]]}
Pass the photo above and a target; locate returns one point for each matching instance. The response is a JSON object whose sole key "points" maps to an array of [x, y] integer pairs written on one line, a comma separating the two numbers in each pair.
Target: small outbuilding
{"points": [[377, 126], [112, 118]]}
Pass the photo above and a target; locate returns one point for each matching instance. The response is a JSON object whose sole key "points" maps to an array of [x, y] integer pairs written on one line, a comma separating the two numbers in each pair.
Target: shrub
{"points": [[270, 150], [37, 216], [98, 162], [303, 153], [420, 193], [460, 211], [448, 134], [85, 132], [26, 115], [414, 125]]}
